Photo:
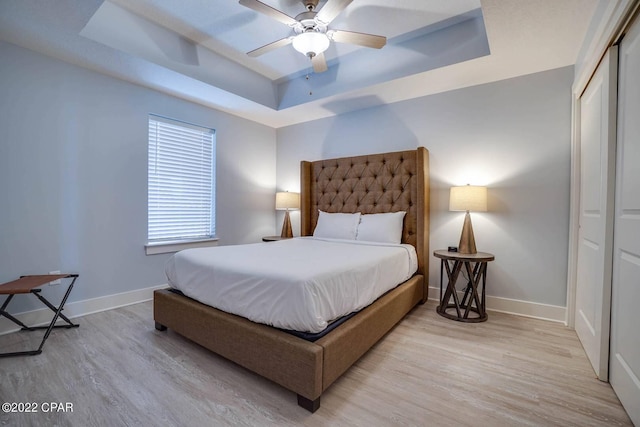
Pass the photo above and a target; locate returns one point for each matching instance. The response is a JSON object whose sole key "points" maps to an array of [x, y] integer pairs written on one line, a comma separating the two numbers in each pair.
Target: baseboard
{"points": [[553, 313], [94, 305], [79, 308]]}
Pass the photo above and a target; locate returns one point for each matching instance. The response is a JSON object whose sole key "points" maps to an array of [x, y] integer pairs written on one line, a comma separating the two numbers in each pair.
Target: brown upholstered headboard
{"points": [[388, 182]]}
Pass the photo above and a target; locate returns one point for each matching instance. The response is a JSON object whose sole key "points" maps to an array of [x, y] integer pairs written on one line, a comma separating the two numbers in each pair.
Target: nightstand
{"points": [[474, 268], [274, 238]]}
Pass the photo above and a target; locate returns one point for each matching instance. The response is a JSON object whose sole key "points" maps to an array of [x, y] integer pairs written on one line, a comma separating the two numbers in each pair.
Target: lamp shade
{"points": [[286, 200], [468, 198], [311, 43]]}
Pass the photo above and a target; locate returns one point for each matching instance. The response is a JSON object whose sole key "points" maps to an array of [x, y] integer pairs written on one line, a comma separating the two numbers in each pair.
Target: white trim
{"points": [[178, 245], [80, 308], [95, 305], [574, 212], [613, 19], [553, 313]]}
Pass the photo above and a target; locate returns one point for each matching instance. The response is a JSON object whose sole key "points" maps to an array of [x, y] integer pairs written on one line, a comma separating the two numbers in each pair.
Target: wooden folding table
{"points": [[31, 285]]}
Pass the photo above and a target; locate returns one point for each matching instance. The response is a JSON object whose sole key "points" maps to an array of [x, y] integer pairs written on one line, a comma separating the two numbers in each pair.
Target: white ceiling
{"points": [[196, 49]]}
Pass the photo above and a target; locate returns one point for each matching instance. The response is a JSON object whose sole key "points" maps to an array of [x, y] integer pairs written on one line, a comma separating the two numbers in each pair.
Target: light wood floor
{"points": [[116, 369]]}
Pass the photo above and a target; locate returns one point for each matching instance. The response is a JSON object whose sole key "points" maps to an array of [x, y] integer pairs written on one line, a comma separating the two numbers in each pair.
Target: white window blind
{"points": [[181, 199]]}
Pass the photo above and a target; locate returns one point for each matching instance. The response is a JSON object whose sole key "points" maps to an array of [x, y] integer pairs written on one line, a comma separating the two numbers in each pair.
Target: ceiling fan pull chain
{"points": [[308, 77]]}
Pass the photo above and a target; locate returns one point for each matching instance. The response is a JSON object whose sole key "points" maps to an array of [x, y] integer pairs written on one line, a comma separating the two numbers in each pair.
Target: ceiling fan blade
{"points": [[361, 39], [319, 63], [258, 6], [269, 47], [332, 9]]}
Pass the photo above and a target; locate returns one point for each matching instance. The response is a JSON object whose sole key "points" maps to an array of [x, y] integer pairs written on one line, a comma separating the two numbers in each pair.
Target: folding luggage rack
{"points": [[31, 285]]}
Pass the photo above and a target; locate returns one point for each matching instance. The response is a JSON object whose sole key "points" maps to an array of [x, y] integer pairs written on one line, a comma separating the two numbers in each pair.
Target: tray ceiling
{"points": [[196, 49]]}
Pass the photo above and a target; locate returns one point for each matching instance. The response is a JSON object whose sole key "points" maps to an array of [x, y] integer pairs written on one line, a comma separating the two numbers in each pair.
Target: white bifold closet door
{"points": [[624, 364], [595, 237]]}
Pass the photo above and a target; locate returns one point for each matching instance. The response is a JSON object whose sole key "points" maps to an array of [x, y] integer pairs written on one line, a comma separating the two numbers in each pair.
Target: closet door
{"points": [[595, 237], [624, 366]]}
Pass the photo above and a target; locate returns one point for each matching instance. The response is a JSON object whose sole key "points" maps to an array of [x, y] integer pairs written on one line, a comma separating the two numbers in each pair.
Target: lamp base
{"points": [[287, 231], [467, 243]]}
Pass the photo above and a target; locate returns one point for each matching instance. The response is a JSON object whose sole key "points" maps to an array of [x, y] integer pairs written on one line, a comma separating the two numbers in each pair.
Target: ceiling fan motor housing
{"points": [[307, 22]]}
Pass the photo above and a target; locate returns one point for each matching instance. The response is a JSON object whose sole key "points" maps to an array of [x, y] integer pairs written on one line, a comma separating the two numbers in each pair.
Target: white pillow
{"points": [[383, 227], [337, 225]]}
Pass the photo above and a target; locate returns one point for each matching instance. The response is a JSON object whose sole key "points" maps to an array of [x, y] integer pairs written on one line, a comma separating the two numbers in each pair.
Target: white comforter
{"points": [[300, 284]]}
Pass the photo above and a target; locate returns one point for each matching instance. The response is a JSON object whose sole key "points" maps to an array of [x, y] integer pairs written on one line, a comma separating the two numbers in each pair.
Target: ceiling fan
{"points": [[313, 36]]}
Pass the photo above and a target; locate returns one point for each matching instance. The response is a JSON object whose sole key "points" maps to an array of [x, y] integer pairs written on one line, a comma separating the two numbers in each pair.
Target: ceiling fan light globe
{"points": [[311, 43]]}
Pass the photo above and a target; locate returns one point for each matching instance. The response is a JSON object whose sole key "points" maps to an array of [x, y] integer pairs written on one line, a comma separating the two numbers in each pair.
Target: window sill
{"points": [[178, 245]]}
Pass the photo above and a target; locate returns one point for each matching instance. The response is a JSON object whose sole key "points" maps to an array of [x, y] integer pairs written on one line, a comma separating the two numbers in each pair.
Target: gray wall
{"points": [[73, 172], [73, 183], [512, 136]]}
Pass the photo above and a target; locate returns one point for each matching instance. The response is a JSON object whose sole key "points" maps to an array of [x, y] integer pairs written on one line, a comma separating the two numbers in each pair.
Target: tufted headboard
{"points": [[377, 183]]}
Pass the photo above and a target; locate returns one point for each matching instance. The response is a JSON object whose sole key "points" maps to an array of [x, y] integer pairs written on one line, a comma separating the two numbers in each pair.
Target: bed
{"points": [[380, 183]]}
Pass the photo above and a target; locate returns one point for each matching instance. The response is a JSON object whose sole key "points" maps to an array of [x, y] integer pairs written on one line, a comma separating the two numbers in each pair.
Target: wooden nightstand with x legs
{"points": [[474, 269]]}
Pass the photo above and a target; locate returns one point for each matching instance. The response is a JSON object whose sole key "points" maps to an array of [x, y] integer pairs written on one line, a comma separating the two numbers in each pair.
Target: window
{"points": [[181, 180]]}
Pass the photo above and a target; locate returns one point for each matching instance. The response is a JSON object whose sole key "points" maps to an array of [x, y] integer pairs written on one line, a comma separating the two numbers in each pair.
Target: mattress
{"points": [[299, 284]]}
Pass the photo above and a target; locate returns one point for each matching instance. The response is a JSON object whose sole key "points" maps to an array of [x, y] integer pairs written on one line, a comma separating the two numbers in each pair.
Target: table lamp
{"points": [[284, 202], [468, 198]]}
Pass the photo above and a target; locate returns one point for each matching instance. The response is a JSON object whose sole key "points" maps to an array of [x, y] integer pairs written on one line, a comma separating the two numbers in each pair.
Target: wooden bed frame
{"points": [[378, 183]]}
